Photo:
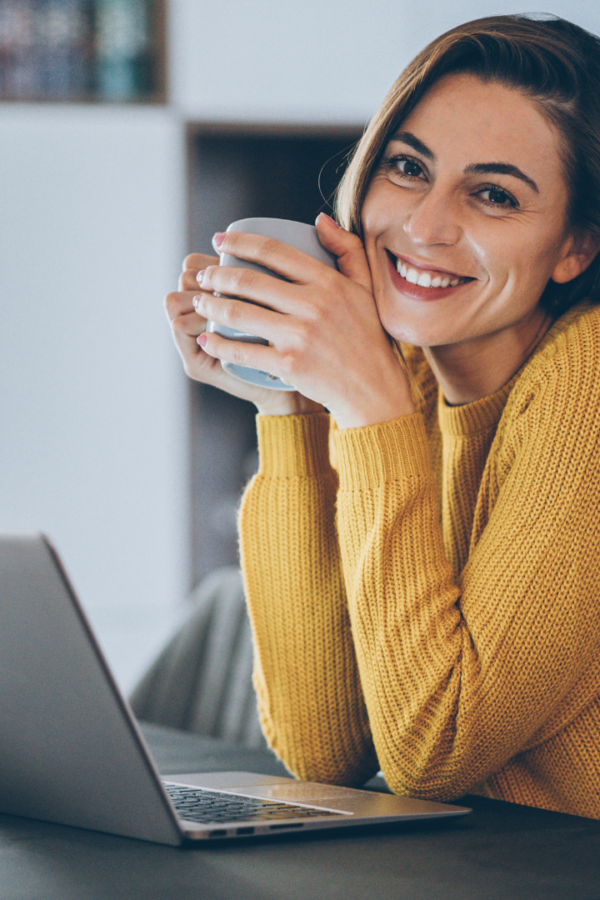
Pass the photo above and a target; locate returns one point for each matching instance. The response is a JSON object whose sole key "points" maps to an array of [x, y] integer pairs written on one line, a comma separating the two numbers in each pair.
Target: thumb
{"points": [[348, 247]]}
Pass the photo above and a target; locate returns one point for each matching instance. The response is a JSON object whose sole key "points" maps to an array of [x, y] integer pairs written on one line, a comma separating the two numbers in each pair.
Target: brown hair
{"points": [[551, 61]]}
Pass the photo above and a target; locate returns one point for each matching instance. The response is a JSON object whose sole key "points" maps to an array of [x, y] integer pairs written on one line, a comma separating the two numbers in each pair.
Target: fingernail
{"points": [[200, 276], [329, 219], [219, 238], [196, 301], [201, 339]]}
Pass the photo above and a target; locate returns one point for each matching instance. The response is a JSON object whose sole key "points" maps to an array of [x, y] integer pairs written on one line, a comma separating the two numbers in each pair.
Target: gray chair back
{"points": [[202, 679]]}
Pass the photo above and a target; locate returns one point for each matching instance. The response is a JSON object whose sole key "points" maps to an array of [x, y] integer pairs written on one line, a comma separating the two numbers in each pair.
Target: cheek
{"points": [[381, 220], [381, 209], [372, 230], [376, 256], [515, 257]]}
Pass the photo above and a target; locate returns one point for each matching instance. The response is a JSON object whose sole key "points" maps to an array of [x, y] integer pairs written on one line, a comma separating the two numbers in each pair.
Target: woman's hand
{"points": [[187, 325], [323, 329]]}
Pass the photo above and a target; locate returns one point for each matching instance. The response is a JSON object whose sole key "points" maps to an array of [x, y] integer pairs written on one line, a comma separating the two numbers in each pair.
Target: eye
{"points": [[495, 196], [405, 166]]}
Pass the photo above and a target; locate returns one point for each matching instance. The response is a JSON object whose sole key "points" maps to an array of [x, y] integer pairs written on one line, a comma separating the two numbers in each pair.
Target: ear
{"points": [[580, 250]]}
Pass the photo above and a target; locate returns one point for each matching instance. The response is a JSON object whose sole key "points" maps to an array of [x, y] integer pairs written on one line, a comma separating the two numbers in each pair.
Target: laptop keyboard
{"points": [[213, 807]]}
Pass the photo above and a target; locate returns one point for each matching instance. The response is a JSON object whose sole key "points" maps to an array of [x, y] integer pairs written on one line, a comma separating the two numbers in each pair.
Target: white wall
{"points": [[92, 443], [315, 60]]}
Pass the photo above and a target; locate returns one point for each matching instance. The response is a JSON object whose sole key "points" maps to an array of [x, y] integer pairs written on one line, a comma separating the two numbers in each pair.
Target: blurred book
{"points": [[77, 49], [123, 49]]}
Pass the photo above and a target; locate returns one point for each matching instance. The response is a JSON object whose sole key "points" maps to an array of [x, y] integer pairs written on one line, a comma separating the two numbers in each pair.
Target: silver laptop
{"points": [[71, 751]]}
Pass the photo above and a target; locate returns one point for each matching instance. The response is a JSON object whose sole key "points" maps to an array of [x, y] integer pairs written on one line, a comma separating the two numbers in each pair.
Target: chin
{"points": [[443, 325], [425, 326], [418, 335]]}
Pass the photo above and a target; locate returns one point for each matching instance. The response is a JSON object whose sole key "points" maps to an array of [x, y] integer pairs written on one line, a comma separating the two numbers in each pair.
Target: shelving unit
{"points": [[83, 50], [234, 171]]}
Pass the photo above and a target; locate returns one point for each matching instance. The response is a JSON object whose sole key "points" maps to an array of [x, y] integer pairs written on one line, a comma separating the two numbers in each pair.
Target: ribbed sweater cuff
{"points": [[393, 451], [294, 446]]}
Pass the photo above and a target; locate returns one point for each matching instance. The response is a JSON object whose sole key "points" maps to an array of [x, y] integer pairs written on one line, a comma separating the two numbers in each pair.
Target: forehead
{"points": [[474, 121]]}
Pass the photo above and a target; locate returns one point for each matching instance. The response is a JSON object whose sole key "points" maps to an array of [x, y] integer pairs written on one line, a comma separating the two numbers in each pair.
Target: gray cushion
{"points": [[202, 679]]}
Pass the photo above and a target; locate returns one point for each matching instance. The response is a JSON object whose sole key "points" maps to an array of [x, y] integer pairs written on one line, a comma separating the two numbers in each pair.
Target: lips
{"points": [[420, 283]]}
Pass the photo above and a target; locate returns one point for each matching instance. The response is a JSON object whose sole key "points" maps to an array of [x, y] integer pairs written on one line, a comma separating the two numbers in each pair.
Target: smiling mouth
{"points": [[426, 278]]}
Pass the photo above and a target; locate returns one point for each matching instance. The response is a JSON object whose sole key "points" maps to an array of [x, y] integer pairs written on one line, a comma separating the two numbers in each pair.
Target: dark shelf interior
{"points": [[236, 171]]}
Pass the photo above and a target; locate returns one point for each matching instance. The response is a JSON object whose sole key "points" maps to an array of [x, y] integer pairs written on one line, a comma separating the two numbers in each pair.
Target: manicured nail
{"points": [[201, 339], [196, 301], [329, 219], [219, 238], [200, 276]]}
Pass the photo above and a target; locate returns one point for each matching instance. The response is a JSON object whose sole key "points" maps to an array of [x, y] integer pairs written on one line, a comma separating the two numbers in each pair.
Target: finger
{"points": [[290, 263], [193, 264], [253, 356], [178, 302], [249, 318], [200, 366], [188, 280], [262, 289], [199, 261], [208, 369], [185, 330], [188, 325], [348, 247]]}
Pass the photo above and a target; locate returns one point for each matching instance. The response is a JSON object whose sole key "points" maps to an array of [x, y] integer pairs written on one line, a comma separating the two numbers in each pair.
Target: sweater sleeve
{"points": [[311, 704], [460, 677]]}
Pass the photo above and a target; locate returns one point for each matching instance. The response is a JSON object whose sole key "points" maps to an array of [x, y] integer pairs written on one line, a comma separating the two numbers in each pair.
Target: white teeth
{"points": [[426, 279]]}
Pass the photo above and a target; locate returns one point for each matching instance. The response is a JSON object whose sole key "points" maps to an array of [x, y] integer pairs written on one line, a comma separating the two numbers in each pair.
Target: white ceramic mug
{"points": [[296, 234]]}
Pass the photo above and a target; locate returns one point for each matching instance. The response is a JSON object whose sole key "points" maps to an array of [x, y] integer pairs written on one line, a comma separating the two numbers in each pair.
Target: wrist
{"points": [[287, 403], [374, 414]]}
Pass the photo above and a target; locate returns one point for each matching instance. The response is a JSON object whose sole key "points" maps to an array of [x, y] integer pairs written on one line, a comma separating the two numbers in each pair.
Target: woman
{"points": [[425, 597]]}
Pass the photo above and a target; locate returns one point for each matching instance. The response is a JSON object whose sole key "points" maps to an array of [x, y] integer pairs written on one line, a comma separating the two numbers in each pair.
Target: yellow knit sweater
{"points": [[431, 605]]}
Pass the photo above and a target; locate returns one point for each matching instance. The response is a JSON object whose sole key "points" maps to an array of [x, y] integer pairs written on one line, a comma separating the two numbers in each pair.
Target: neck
{"points": [[475, 368]]}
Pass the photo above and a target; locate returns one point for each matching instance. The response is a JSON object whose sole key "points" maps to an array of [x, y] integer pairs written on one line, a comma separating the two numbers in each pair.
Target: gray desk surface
{"points": [[500, 852]]}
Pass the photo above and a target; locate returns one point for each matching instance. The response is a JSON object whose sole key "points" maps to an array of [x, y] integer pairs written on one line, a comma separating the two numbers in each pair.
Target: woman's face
{"points": [[465, 218]]}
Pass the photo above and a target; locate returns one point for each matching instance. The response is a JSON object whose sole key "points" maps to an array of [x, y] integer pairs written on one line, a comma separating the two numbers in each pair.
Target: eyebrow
{"points": [[493, 168], [407, 138], [499, 168]]}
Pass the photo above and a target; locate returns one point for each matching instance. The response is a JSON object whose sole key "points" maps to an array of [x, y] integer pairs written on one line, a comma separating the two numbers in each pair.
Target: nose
{"points": [[435, 219]]}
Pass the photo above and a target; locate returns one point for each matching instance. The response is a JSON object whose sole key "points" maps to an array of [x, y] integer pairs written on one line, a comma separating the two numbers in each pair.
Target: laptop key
{"points": [[210, 807]]}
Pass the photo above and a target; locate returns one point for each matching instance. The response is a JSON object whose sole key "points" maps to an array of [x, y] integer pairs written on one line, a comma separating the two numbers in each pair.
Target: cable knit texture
{"points": [[429, 604]]}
